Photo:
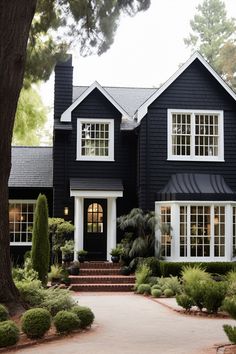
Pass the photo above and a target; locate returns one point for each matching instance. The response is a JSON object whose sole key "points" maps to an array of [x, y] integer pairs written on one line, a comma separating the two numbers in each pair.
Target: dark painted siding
{"points": [[194, 89], [66, 166]]}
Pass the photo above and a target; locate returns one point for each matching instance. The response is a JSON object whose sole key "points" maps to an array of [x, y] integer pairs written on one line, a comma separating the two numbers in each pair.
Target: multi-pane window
{"points": [[165, 231], [200, 231], [183, 231], [95, 139], [195, 135], [21, 221], [95, 218], [219, 231]]}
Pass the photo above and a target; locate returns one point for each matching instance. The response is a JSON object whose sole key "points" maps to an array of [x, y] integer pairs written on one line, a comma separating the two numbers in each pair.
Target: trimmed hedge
{"points": [[66, 322], [9, 333], [36, 322], [85, 314]]}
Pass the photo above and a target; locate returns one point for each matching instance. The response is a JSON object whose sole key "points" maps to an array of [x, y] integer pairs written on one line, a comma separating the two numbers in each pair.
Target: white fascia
{"points": [[96, 194], [142, 110], [66, 115]]}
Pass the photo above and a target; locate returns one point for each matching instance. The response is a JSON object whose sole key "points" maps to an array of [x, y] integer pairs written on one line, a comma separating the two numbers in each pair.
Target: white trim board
{"points": [[96, 194], [142, 110], [66, 115]]}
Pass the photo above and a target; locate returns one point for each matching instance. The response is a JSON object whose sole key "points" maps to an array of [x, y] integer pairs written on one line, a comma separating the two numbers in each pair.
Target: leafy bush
{"points": [[214, 294], [230, 332], [196, 292], [173, 284], [36, 322], [4, 314], [168, 293], [9, 333], [31, 292], [229, 305], [156, 292], [27, 273], [66, 322], [55, 273], [55, 300], [152, 281], [156, 287], [192, 275], [184, 301], [154, 264], [144, 289], [85, 315], [142, 274]]}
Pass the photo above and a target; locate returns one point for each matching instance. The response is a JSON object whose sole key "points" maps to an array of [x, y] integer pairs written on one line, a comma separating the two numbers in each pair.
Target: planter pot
{"points": [[55, 281], [73, 270], [68, 257], [81, 258], [115, 259], [125, 271]]}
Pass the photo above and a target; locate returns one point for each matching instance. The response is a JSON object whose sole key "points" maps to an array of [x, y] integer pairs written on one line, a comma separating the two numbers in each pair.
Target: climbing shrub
{"points": [[36, 322]]}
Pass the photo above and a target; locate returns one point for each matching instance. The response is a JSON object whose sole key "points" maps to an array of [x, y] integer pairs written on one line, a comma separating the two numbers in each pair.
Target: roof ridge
{"points": [[123, 87]]}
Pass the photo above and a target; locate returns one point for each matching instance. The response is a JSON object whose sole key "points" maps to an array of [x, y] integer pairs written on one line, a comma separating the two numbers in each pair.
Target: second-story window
{"points": [[195, 135], [95, 139]]}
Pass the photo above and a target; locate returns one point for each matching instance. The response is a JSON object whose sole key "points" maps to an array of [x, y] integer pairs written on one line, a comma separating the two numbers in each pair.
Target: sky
{"points": [[147, 50]]}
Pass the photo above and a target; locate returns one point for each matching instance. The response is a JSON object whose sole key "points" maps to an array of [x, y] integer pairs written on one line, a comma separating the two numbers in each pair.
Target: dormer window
{"points": [[195, 135], [95, 139]]}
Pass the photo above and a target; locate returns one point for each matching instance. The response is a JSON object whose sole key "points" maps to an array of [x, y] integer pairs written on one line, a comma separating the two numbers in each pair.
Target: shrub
{"points": [[36, 322], [142, 274], [4, 314], [27, 273], [229, 305], [168, 293], [214, 294], [55, 300], [196, 292], [9, 333], [173, 284], [192, 275], [40, 239], [230, 332], [85, 315], [156, 292], [154, 264], [184, 301], [30, 292], [156, 286], [144, 289], [66, 321], [55, 273]]}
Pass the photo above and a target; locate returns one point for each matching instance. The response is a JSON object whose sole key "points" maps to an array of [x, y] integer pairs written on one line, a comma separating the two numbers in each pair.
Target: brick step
{"points": [[101, 287], [101, 271], [99, 265], [102, 279]]}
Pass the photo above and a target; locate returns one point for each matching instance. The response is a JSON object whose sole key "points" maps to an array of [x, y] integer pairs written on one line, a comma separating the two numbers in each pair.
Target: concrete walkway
{"points": [[133, 324]]}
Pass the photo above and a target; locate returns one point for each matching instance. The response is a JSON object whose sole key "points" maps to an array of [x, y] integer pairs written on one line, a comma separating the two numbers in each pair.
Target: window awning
{"points": [[191, 186], [96, 187]]}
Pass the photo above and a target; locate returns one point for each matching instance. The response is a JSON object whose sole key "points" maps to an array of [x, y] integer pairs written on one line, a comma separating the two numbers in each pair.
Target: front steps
{"points": [[101, 276]]}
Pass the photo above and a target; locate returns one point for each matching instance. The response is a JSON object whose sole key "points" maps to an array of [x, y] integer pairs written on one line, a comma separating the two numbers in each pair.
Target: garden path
{"points": [[133, 324]]}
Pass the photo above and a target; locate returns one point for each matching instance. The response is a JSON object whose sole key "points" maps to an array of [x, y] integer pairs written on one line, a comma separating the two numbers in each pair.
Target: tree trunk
{"points": [[15, 21]]}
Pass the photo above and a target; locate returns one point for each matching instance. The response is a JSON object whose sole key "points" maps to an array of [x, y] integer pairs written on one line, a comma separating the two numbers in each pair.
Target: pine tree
{"points": [[40, 239]]}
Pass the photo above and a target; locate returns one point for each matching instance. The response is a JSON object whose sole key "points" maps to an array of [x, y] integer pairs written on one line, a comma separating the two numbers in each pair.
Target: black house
{"points": [[172, 150]]}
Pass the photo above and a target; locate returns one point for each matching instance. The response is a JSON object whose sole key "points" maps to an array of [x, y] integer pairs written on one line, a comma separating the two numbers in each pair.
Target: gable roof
{"points": [[32, 167], [142, 110], [66, 116]]}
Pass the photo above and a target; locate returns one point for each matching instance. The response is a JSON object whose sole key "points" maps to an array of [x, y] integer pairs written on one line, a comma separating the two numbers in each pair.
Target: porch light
{"points": [[66, 210]]}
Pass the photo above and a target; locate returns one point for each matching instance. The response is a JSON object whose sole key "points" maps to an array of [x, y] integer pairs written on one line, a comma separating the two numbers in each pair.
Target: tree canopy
{"points": [[213, 35]]}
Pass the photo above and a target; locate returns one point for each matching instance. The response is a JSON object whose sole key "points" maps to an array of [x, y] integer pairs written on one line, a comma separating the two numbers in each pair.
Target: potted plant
{"points": [[67, 251], [115, 254], [74, 268], [82, 255], [55, 275]]}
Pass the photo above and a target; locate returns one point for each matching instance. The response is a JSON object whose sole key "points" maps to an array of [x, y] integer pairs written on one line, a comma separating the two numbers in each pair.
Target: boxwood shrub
{"points": [[144, 289], [85, 314], [156, 292], [36, 322], [9, 333], [66, 322], [4, 314]]}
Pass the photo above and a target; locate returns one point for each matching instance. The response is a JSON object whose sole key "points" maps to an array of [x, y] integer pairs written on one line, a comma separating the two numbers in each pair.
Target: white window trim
{"points": [[110, 157], [192, 157], [175, 229], [21, 201]]}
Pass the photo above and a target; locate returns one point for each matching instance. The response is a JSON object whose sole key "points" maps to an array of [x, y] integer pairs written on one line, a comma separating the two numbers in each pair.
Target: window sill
{"points": [[95, 159], [194, 159]]}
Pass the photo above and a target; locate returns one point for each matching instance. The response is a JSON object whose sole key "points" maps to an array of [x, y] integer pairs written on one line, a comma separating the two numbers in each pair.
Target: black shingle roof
{"points": [[32, 167]]}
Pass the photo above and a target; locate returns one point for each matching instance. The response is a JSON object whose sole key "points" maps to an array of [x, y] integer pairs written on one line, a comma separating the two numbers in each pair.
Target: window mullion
{"points": [[188, 231], [193, 135], [212, 239]]}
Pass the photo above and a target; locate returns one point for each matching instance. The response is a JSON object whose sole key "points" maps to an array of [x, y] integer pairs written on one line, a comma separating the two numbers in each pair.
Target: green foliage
{"points": [[68, 247], [85, 315], [4, 314], [31, 116], [144, 289], [9, 333], [171, 283], [40, 240], [116, 252], [230, 332], [82, 253], [229, 305], [184, 301], [66, 322], [55, 300], [55, 273], [156, 286], [154, 264], [30, 292], [27, 273], [196, 291], [36, 322], [142, 274], [168, 293], [156, 292], [214, 294], [193, 275]]}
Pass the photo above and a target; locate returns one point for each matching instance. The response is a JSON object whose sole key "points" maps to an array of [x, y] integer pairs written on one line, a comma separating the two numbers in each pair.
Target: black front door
{"points": [[95, 228]]}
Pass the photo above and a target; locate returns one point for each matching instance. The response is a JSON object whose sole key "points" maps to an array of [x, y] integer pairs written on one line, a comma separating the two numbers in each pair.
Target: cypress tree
{"points": [[40, 239]]}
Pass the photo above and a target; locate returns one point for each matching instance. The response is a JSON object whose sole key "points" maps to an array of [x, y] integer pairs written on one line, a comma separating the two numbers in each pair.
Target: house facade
{"points": [[170, 149]]}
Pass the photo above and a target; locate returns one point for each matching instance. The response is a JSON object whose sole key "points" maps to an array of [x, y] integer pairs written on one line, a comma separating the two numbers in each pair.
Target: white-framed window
{"points": [[21, 214], [95, 139], [165, 215], [195, 135]]}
